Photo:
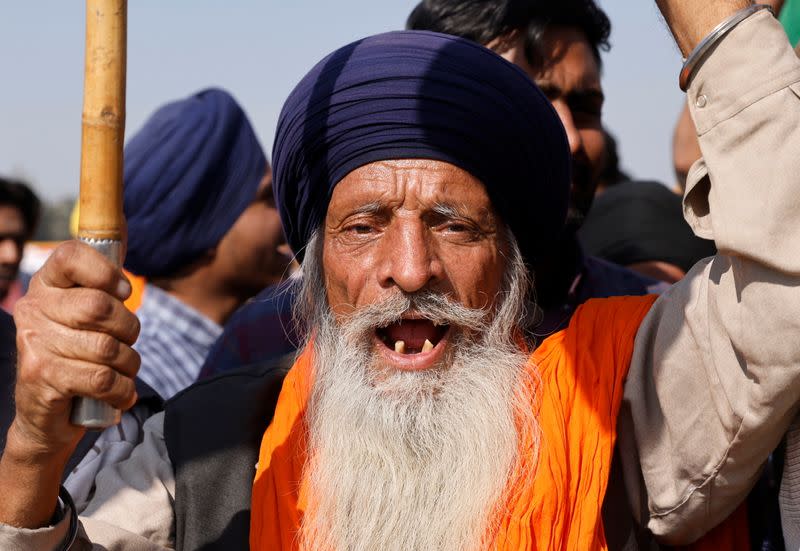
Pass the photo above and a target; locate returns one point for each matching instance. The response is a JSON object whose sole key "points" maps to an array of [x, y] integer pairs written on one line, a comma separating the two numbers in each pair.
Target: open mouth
{"points": [[412, 336]]}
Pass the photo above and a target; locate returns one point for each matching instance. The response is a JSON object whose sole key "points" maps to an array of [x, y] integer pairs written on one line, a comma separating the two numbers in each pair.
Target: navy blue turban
{"points": [[190, 172], [423, 95]]}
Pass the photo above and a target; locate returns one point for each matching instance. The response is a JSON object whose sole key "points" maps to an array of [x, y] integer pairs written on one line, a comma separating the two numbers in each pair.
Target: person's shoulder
{"points": [[608, 279], [614, 307], [600, 321], [227, 412], [599, 337], [610, 323], [239, 381], [275, 300]]}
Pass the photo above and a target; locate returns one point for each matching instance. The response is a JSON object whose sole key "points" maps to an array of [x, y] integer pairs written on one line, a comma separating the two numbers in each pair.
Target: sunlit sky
{"points": [[258, 50]]}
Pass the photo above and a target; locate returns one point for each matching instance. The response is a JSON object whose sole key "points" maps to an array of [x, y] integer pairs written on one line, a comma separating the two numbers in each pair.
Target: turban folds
{"points": [[423, 95], [190, 172]]}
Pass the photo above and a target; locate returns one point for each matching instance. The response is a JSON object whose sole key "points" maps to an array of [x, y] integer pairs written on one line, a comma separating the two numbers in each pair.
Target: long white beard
{"points": [[413, 460]]}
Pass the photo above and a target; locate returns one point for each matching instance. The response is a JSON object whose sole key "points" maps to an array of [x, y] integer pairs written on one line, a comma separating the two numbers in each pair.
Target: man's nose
{"points": [[409, 259], [573, 134]]}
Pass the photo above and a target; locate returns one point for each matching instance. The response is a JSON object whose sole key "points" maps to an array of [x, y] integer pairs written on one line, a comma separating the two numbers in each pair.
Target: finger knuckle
{"points": [[103, 381], [106, 348], [64, 254], [124, 395], [30, 370], [98, 306], [129, 329]]}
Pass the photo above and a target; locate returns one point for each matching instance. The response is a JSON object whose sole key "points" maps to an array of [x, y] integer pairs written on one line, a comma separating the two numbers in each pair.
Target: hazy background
{"points": [[258, 50]]}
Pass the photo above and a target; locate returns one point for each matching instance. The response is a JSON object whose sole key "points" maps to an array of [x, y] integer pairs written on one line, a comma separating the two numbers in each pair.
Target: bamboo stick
{"points": [[102, 223], [103, 123]]}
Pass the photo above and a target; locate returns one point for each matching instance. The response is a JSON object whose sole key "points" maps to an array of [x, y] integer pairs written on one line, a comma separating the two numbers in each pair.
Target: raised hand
{"points": [[74, 338]]}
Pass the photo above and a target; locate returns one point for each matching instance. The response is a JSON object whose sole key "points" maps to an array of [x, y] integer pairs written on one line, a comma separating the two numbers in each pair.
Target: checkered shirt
{"points": [[173, 343]]}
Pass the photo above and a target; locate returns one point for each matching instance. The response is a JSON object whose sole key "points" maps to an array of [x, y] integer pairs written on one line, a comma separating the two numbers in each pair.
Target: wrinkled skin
{"points": [[411, 225], [74, 338]]}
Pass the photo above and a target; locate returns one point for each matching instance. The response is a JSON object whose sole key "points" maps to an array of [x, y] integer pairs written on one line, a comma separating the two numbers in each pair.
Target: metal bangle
{"points": [[68, 506], [700, 51]]}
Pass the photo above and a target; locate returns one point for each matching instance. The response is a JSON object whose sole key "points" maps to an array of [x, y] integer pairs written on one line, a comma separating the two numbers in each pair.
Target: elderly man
{"points": [[532, 35], [407, 166]]}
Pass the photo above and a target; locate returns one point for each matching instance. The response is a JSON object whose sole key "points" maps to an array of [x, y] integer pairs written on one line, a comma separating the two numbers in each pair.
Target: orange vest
{"points": [[582, 371]]}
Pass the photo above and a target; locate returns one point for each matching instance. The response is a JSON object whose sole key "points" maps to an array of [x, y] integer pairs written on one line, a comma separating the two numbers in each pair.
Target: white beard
{"points": [[414, 460]]}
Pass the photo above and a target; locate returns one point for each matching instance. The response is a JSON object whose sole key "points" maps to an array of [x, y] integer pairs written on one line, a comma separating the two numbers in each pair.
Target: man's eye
{"points": [[361, 229], [461, 230], [586, 110]]}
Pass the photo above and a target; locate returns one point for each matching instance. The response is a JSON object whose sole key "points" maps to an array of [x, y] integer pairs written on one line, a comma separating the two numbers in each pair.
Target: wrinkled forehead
{"points": [[411, 185]]}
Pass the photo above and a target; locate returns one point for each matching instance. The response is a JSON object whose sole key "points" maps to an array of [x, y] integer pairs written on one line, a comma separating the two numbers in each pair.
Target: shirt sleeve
{"points": [[131, 508], [715, 377]]}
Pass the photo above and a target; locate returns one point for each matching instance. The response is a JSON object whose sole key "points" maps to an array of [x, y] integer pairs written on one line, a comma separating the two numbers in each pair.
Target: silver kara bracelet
{"points": [[700, 51]]}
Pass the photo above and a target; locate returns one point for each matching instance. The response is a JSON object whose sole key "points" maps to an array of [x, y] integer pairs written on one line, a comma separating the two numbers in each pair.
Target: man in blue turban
{"points": [[421, 414], [202, 229]]}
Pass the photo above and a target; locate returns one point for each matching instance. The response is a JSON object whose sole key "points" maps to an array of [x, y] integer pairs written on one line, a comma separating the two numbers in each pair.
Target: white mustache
{"points": [[435, 307]]}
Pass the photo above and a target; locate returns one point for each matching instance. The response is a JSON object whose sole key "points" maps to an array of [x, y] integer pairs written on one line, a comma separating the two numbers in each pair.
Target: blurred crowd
{"points": [[216, 277]]}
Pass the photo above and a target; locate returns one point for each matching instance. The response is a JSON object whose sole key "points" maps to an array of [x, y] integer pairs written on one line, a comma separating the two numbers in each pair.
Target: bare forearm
{"points": [[690, 21], [30, 483]]}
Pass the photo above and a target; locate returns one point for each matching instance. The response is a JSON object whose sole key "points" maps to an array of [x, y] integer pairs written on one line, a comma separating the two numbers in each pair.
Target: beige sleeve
{"points": [[131, 509], [715, 378]]}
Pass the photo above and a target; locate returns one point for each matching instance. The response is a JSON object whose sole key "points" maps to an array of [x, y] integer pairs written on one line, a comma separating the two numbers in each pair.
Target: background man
{"points": [[203, 230], [19, 214], [640, 225], [558, 46]]}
